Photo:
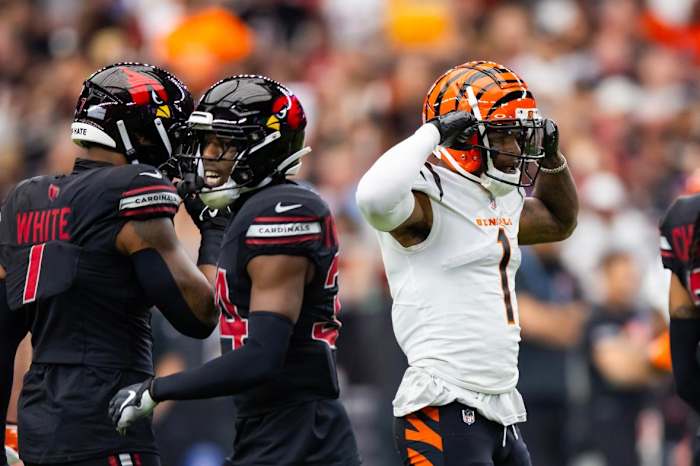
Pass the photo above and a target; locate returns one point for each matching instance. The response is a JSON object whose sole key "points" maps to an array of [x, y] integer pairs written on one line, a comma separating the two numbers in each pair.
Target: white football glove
{"points": [[130, 404], [12, 456]]}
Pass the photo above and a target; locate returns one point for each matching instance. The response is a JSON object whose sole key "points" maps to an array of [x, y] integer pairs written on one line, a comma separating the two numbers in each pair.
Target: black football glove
{"points": [[551, 144], [212, 225], [131, 404], [453, 126], [204, 216]]}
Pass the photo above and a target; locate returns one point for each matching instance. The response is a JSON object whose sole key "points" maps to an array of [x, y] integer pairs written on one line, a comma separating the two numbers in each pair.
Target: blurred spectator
{"points": [[617, 338], [552, 319], [607, 221]]}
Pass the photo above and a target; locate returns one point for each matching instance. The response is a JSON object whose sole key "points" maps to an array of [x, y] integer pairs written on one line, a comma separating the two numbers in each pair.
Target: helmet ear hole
{"points": [[242, 176]]}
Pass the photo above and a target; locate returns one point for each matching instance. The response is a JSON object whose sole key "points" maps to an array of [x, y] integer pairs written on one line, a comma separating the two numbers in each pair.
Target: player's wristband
{"points": [[559, 169], [11, 439]]}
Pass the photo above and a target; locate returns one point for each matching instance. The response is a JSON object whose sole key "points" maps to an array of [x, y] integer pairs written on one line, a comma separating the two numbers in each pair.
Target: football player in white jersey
{"points": [[450, 209]]}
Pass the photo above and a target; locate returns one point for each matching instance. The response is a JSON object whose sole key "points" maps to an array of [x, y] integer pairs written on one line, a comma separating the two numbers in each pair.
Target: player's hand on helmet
{"points": [[453, 126], [204, 217], [552, 158], [131, 404]]}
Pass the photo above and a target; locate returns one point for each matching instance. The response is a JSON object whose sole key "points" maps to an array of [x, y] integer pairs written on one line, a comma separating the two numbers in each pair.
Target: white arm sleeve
{"points": [[384, 192]]}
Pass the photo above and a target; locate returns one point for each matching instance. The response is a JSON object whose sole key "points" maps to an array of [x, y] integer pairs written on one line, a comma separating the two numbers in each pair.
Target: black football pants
{"points": [[456, 435]]}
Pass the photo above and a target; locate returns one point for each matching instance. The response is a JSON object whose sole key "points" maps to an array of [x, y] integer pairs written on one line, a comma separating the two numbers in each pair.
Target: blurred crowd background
{"points": [[620, 78]]}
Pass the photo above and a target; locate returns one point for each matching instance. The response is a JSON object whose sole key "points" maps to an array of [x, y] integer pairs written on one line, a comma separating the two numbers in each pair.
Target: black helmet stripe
{"points": [[511, 96]]}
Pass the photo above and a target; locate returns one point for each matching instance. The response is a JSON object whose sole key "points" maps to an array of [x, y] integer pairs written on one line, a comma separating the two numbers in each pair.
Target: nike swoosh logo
{"points": [[158, 175], [212, 213], [279, 208], [132, 395]]}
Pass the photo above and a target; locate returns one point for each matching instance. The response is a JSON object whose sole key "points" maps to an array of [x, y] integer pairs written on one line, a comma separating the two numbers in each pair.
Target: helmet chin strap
{"points": [[489, 179], [221, 196], [494, 179], [124, 134], [286, 165], [163, 135]]}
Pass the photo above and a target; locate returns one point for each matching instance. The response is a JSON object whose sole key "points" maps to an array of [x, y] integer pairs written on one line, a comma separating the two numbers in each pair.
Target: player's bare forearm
{"points": [[209, 271], [174, 282], [550, 214]]}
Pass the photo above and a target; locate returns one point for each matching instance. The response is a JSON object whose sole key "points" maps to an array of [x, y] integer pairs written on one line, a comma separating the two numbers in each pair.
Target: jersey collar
{"points": [[82, 165]]}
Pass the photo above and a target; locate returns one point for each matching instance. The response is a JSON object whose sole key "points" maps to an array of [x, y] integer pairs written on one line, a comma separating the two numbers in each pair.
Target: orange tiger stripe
{"points": [[432, 412], [423, 433], [415, 458]]}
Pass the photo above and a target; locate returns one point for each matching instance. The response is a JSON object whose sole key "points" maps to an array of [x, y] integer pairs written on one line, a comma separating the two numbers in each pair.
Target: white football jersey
{"points": [[455, 315]]}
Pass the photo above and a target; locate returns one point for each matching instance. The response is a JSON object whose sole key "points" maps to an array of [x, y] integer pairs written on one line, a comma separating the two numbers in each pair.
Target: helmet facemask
{"points": [[519, 140], [225, 172]]}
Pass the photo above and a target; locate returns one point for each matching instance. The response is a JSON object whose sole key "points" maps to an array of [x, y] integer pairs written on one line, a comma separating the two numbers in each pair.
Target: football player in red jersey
{"points": [[680, 253], [84, 257], [276, 286]]}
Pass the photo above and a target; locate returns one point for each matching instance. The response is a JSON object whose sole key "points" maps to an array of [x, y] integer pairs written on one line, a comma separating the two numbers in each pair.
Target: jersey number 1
{"points": [[31, 282], [503, 271]]}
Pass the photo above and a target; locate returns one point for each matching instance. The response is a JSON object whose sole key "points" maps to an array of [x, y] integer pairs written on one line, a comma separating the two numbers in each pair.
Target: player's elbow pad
{"points": [[162, 291], [383, 211]]}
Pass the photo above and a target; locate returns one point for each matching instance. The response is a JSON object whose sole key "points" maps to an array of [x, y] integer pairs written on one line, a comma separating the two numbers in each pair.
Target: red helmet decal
{"points": [[289, 108], [144, 88]]}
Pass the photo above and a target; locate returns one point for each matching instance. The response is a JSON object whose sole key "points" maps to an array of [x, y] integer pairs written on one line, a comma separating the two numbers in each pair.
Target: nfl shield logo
{"points": [[468, 416]]}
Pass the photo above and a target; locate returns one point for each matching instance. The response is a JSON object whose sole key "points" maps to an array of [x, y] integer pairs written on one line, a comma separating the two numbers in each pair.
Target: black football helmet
{"points": [[258, 116], [134, 109]]}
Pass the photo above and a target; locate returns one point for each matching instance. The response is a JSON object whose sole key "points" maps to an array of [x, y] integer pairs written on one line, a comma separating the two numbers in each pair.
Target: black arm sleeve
{"points": [[13, 328], [262, 355], [160, 288], [685, 336]]}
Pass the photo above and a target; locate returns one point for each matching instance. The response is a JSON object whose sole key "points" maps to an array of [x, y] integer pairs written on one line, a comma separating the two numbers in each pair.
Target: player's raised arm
{"points": [[384, 193], [550, 214], [168, 277]]}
